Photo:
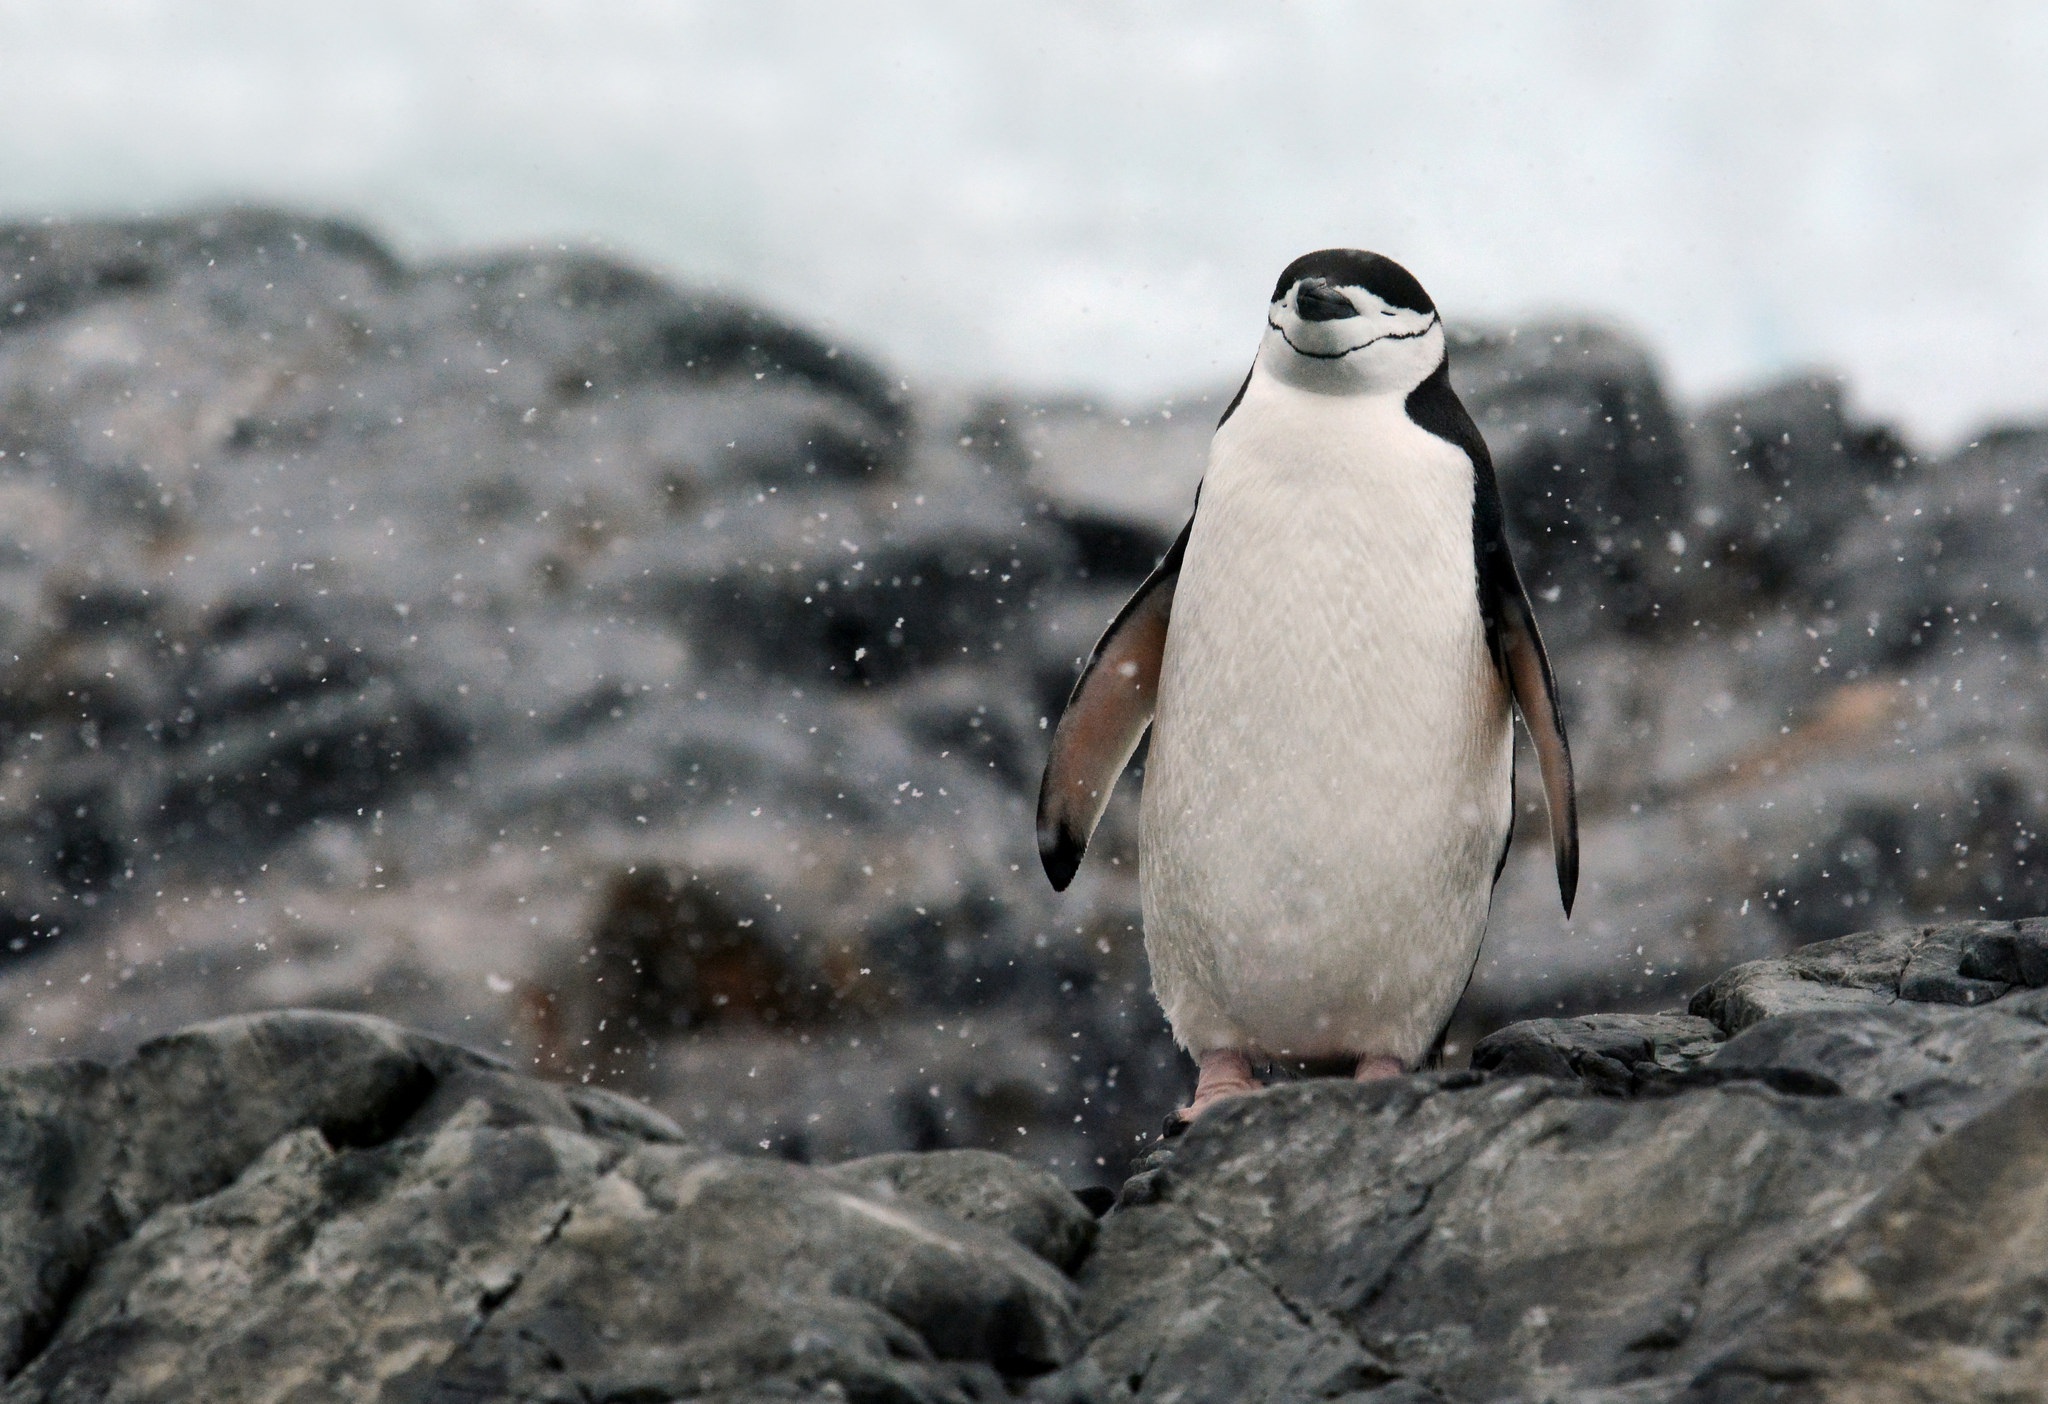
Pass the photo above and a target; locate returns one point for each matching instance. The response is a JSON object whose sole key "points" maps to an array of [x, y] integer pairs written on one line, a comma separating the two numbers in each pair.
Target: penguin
{"points": [[1329, 659]]}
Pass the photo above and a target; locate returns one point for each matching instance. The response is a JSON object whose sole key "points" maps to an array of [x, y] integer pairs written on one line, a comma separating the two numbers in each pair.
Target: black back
{"points": [[1435, 407], [1238, 398]]}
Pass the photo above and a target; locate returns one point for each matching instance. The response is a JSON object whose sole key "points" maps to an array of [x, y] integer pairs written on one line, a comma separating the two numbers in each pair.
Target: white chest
{"points": [[1334, 541], [1327, 789]]}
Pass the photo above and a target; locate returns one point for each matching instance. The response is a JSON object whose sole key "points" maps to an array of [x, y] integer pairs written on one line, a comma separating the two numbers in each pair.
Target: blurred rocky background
{"points": [[624, 680]]}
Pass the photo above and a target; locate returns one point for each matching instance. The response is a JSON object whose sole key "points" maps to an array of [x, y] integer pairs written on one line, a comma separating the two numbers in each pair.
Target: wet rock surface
{"points": [[1619, 1052], [1968, 963], [1818, 1202], [617, 677], [328, 1206], [1822, 1201]]}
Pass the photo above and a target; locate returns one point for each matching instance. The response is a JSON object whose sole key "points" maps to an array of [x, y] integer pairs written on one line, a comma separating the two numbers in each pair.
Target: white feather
{"points": [[1328, 788]]}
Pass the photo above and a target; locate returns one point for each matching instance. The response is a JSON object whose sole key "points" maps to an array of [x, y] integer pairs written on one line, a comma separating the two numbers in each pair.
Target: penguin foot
{"points": [[1226, 1072], [1375, 1066]]}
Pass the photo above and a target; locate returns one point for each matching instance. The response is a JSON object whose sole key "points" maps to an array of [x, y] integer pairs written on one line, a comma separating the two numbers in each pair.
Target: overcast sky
{"points": [[1098, 195]]}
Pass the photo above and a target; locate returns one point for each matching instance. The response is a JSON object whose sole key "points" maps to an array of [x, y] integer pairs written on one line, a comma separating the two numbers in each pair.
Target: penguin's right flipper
{"points": [[1104, 719]]}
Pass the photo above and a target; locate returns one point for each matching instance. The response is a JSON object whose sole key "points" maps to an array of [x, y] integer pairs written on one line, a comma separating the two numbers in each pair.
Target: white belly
{"points": [[1328, 787]]}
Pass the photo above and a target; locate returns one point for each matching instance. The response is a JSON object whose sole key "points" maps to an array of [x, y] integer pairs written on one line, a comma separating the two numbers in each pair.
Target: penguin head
{"points": [[1348, 322]]}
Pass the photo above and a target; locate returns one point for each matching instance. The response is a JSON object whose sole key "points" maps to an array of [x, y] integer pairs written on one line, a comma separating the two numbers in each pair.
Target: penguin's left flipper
{"points": [[1104, 719], [1528, 670]]}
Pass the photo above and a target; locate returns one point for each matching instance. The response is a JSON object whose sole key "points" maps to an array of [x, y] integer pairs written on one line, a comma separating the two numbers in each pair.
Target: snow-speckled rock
{"points": [[1810, 1200], [328, 1206], [617, 676]]}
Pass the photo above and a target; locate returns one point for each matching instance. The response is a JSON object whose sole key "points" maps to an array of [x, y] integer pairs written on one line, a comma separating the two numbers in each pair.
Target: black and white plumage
{"points": [[1328, 658]]}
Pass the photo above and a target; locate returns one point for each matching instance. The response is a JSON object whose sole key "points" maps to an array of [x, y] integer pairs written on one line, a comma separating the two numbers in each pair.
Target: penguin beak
{"points": [[1315, 301]]}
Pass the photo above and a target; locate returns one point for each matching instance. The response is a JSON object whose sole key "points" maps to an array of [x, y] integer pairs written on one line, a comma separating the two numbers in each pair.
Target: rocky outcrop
{"points": [[624, 679], [327, 1206], [600, 671], [1828, 1182]]}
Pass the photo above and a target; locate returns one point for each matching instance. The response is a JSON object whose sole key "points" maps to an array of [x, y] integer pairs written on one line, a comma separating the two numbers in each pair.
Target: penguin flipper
{"points": [[1535, 689], [1510, 626], [1105, 717]]}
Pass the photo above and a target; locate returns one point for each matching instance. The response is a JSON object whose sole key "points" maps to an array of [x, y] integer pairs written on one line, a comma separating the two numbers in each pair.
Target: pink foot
{"points": [[1376, 1066], [1225, 1073]]}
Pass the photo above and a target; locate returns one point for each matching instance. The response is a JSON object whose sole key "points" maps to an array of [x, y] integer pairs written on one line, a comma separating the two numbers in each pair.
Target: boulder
{"points": [[1945, 561], [1779, 474], [1926, 964], [331, 1204], [1618, 1052], [1826, 1182], [1592, 466]]}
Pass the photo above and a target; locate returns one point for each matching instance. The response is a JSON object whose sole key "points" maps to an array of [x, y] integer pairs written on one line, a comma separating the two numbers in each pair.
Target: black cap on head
{"points": [[1355, 268]]}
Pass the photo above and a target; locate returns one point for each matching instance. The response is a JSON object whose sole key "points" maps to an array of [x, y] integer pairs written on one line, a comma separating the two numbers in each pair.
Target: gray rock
{"points": [[1470, 1238], [1868, 969], [1121, 478], [2018, 956], [1833, 1202], [1932, 1293], [979, 1187], [1793, 1213], [1777, 475], [1592, 466], [329, 1203], [95, 1151], [1617, 1053], [548, 656], [606, 673], [1942, 562]]}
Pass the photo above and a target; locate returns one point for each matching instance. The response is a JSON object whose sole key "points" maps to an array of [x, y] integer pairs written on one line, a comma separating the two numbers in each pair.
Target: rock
{"points": [[1770, 770], [978, 1187], [1942, 561], [1828, 1202], [1439, 1234], [604, 672], [1922, 1297], [1836, 1202], [599, 670], [1610, 1052], [1948, 832], [1921, 964], [2015, 957], [1121, 478], [1592, 467], [1778, 475], [333, 1201]]}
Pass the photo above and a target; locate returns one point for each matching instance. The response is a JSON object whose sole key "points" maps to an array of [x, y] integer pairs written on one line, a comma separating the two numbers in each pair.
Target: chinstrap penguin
{"points": [[1329, 658]]}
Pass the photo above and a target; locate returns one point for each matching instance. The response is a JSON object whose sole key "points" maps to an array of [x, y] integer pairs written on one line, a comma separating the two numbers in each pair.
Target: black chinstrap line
{"points": [[1424, 330]]}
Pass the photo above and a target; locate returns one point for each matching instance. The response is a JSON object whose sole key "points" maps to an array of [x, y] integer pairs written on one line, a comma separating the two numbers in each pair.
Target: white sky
{"points": [[1096, 194]]}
